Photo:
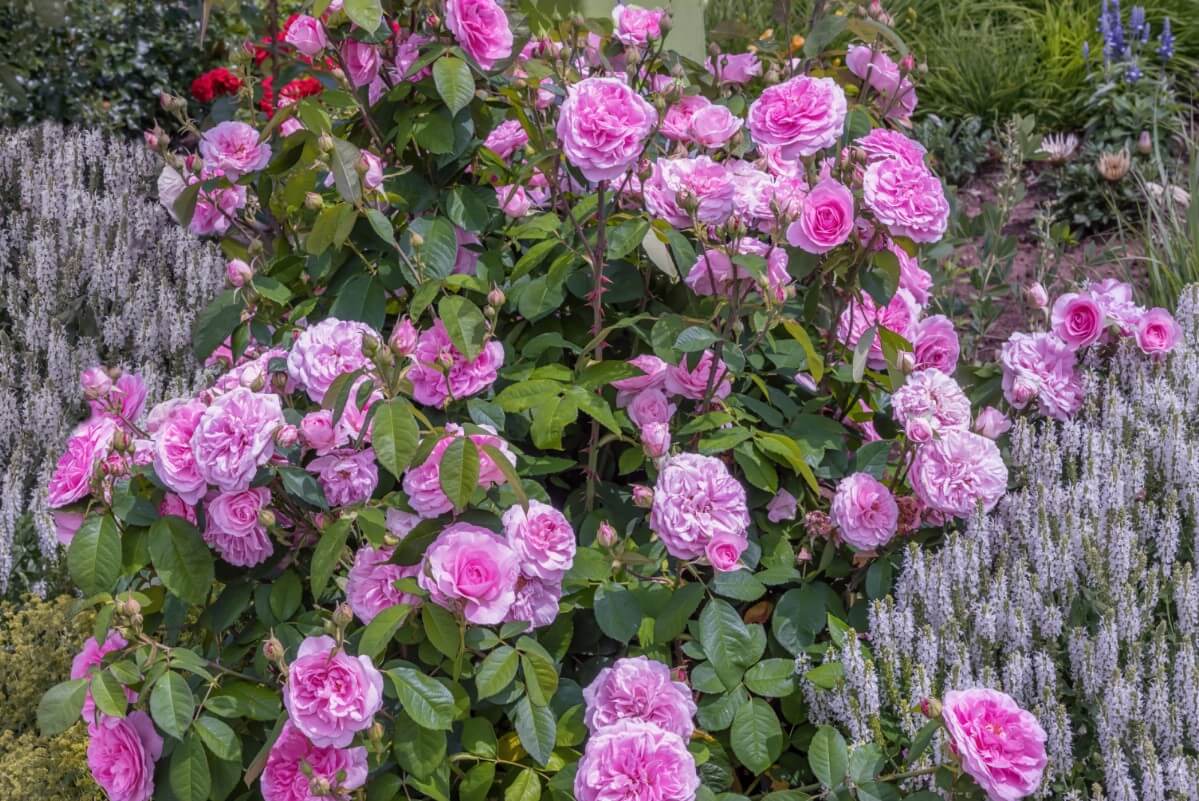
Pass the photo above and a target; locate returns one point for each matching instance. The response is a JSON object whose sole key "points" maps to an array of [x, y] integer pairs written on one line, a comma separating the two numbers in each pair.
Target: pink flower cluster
{"points": [[370, 585], [422, 483], [440, 373], [699, 510]]}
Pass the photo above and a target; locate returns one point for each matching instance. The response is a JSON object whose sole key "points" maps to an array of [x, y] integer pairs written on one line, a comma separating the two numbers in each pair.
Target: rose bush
{"points": [[560, 417]]}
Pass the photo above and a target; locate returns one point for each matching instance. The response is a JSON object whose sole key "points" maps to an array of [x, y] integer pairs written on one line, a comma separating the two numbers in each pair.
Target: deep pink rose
{"points": [[632, 760], [704, 183], [676, 123], [634, 25], [294, 763], [650, 406], [603, 126], [422, 483], [307, 35], [317, 431], [542, 539], [825, 220], [1157, 332], [233, 530], [481, 27], [992, 423], [472, 570], [506, 138], [693, 384], [930, 403], [433, 384], [999, 744], [907, 199], [1077, 319], [884, 143], [936, 344], [92, 656], [781, 507], [346, 476], [695, 499], [803, 115], [713, 126], [233, 148], [724, 552], [121, 753], [513, 200], [370, 585], [235, 436], [864, 511], [325, 351], [957, 472], [535, 603], [1041, 367], [174, 460], [896, 93], [87, 446], [641, 689], [733, 69], [362, 61], [900, 315], [331, 695]]}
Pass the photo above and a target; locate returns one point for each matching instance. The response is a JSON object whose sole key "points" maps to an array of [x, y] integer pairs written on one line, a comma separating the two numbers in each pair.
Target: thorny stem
{"points": [[597, 325]]}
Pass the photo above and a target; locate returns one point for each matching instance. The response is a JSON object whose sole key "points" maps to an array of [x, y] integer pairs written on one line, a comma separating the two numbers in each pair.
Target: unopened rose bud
{"points": [[255, 247], [320, 787], [266, 518], [287, 436], [1038, 298], [907, 63], [362, 166], [120, 441], [325, 143], [370, 346], [272, 649], [643, 496], [376, 732], [803, 557], [930, 708], [445, 360], [496, 297], [151, 139], [338, 74], [665, 24], [417, 240], [713, 49], [1145, 143], [237, 272], [605, 535], [96, 383], [132, 607], [253, 378], [403, 338], [390, 540], [343, 615], [313, 201]]}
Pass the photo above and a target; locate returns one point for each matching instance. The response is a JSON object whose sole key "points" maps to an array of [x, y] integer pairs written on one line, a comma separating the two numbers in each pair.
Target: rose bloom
{"points": [[121, 753], [907, 199], [506, 138], [1115, 298], [481, 27], [639, 689], [513, 201], [433, 385], [422, 484], [724, 552], [713, 126], [753, 195], [734, 69], [632, 760], [362, 61], [882, 74], [473, 570], [992, 423], [542, 539], [653, 377], [999, 744], [174, 461], [124, 397], [635, 25], [825, 219], [695, 499], [294, 762], [92, 656], [1041, 367], [347, 477], [215, 83], [714, 272], [802, 116], [706, 182], [900, 315], [655, 439], [233, 148], [235, 436], [693, 384], [214, 209], [1157, 332], [325, 351], [603, 125], [884, 143], [957, 472], [233, 530], [370, 585], [535, 602], [316, 429], [936, 344], [331, 695], [307, 35], [66, 525], [650, 406], [407, 53], [929, 403], [864, 511], [781, 507], [88, 444], [1077, 320], [676, 123]]}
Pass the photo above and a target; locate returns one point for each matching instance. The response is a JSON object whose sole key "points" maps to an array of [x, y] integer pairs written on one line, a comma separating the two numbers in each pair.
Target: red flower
{"points": [[293, 91], [215, 83]]}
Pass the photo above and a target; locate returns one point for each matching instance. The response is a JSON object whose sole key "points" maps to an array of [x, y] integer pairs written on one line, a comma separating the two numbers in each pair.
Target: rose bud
{"points": [[237, 272]]}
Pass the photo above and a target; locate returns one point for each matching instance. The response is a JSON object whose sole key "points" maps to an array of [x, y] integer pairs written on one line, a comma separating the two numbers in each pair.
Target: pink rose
{"points": [[1041, 367], [506, 138], [958, 472], [724, 552], [992, 423], [513, 200], [700, 181], [233, 148], [473, 570], [370, 585], [403, 337], [542, 539], [825, 220], [646, 762], [676, 123], [66, 525], [1157, 332], [693, 384], [362, 62], [481, 27], [435, 385], [235, 436], [372, 170], [87, 446], [896, 93], [694, 500], [803, 116], [294, 763], [635, 25], [930, 403], [406, 55], [907, 199], [535, 603], [233, 530], [1077, 320], [174, 460], [639, 689], [782, 507], [317, 430], [655, 439], [999, 744], [173, 505], [864, 511], [754, 196], [95, 383], [331, 695], [713, 126], [650, 406], [884, 143], [215, 208], [603, 126], [325, 351], [1038, 298], [92, 656], [346, 476], [1115, 298], [900, 315], [912, 277], [654, 375], [237, 272], [121, 753], [307, 35], [714, 272], [936, 344], [733, 69], [422, 483]]}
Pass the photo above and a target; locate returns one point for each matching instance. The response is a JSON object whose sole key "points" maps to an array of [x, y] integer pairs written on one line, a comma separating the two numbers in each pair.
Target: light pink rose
{"points": [[713, 126], [701, 181], [121, 753], [634, 25], [936, 344], [535, 603], [372, 176], [907, 199], [733, 69], [650, 406], [912, 277], [1116, 300], [782, 507], [958, 472], [724, 552], [884, 143], [654, 375], [91, 657], [294, 763], [542, 539], [422, 483], [655, 439], [233, 148], [325, 351], [896, 93], [900, 315], [370, 585], [237, 272], [95, 383], [754, 195], [1077, 320], [1000, 745], [864, 511], [1043, 368], [472, 570], [603, 126], [992, 423], [317, 431], [802, 115], [174, 460], [714, 272], [639, 689], [362, 61], [233, 530], [482, 28], [694, 500], [693, 384], [1038, 298], [506, 138], [215, 208], [66, 524], [645, 762], [778, 165], [676, 123], [331, 695], [235, 436], [87, 446], [307, 35], [1157, 332], [930, 403], [434, 385], [346, 476], [825, 220], [513, 200]]}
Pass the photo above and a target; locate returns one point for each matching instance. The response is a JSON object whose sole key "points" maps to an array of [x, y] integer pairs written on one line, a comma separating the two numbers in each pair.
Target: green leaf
{"points": [[922, 740], [828, 756], [442, 629], [774, 678], [476, 784], [181, 559], [826, 676], [189, 777], [219, 738], [366, 14], [303, 485], [426, 700], [800, 335], [527, 394], [394, 435], [877, 791], [497, 671], [382, 226], [726, 641], [617, 612], [478, 737], [172, 704], [756, 736], [108, 694], [459, 471], [418, 750], [440, 248], [695, 338], [501, 461], [381, 629], [327, 553], [861, 350], [525, 787], [61, 706], [865, 762], [536, 729], [343, 161], [454, 82], [361, 298], [624, 238], [541, 677], [671, 621], [550, 419], [94, 556], [286, 594], [464, 323]]}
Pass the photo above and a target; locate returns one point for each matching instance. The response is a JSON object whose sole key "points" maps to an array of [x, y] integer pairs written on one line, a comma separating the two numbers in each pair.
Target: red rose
{"points": [[215, 83]]}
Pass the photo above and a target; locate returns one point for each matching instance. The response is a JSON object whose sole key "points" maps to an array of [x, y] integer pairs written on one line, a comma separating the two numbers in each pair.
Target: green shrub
{"points": [[34, 768], [957, 147]]}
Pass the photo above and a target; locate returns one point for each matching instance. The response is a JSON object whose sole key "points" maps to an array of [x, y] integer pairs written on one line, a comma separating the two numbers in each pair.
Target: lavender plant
{"points": [[91, 270]]}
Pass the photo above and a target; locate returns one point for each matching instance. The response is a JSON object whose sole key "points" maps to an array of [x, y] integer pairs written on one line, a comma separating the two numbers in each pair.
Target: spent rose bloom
{"points": [[174, 460], [346, 476], [603, 126], [713, 126], [233, 529], [825, 219], [542, 539], [325, 351], [802, 116], [638, 760], [864, 511], [634, 25], [999, 744], [121, 753], [782, 506], [642, 689], [506, 138], [700, 180], [535, 602], [233, 148], [362, 61], [906, 198], [693, 383], [695, 499], [294, 761], [88, 444], [331, 695], [676, 122], [882, 74], [235, 436], [991, 423], [724, 552], [936, 344], [929, 403], [1041, 367], [1077, 319], [471, 569], [435, 385], [958, 471], [307, 35], [900, 315], [482, 28], [1157, 332], [370, 584], [734, 69]]}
